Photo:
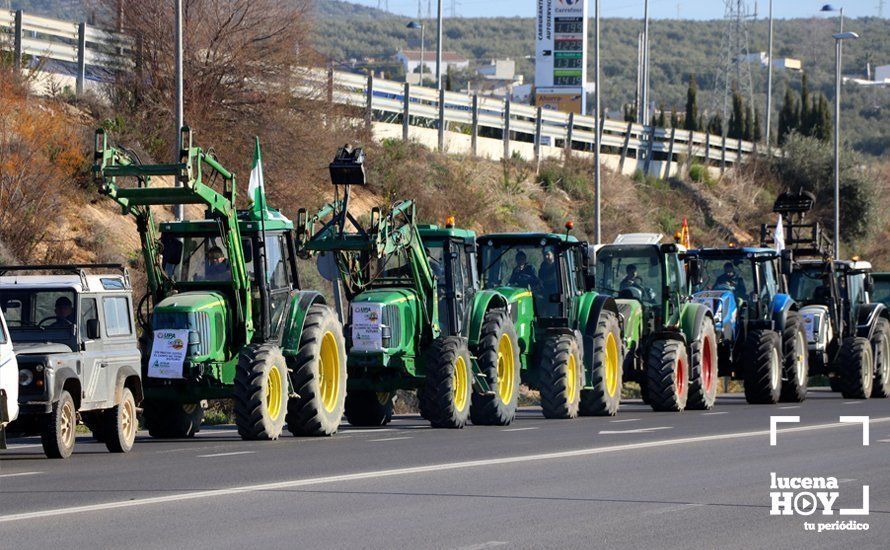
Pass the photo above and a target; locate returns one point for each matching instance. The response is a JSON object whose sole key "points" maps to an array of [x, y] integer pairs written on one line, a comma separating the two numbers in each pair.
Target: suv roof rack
{"points": [[76, 269]]}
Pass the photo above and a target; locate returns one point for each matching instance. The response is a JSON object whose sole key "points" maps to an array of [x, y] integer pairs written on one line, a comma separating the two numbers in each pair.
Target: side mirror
{"points": [[696, 277], [93, 329], [787, 262], [247, 249], [171, 249], [327, 266], [869, 284]]}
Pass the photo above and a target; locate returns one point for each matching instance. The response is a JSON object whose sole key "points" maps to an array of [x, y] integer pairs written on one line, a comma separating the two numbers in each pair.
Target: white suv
{"points": [[9, 382]]}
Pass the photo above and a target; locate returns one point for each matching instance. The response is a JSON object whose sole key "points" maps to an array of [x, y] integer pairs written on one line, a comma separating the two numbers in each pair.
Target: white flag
{"points": [[255, 189], [779, 235]]}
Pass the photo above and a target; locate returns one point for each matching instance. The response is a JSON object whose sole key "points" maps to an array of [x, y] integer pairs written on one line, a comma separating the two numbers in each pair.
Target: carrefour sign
{"points": [[561, 47]]}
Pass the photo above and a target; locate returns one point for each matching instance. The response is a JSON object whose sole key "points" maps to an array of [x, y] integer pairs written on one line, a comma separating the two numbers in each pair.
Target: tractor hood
{"points": [[204, 314], [514, 294], [383, 320]]}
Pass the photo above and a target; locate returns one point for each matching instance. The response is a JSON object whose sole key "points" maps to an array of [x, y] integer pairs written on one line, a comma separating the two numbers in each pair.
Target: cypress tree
{"points": [[662, 123], [715, 125], [737, 118], [805, 119], [823, 127], [675, 121], [692, 119], [787, 117], [758, 131]]}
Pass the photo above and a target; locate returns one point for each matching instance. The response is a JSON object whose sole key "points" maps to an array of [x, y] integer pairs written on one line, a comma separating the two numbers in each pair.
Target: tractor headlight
{"points": [[26, 377]]}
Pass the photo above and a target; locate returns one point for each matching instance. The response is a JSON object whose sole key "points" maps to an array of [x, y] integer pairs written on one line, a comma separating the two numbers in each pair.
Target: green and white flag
{"points": [[255, 189]]}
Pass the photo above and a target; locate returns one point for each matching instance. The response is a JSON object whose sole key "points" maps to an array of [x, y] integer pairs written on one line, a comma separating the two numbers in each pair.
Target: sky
{"points": [[689, 9]]}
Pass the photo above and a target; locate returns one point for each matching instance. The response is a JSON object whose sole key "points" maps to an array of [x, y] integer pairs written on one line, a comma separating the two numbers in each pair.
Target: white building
{"points": [[882, 74], [498, 69], [411, 61], [762, 59]]}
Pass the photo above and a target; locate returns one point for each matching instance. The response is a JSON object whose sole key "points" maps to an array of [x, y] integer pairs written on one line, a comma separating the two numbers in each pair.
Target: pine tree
{"points": [[692, 119]]}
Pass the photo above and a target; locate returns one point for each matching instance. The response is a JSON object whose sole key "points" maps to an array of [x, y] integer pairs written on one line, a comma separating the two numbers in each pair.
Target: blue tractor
{"points": [[762, 336]]}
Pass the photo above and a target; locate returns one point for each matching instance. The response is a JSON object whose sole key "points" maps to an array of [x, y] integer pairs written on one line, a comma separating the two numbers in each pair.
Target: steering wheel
{"points": [[524, 279], [40, 324]]}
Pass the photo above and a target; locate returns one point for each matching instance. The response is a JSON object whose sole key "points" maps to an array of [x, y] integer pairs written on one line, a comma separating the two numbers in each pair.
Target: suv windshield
{"points": [[44, 315], [734, 274], [631, 272], [810, 285]]}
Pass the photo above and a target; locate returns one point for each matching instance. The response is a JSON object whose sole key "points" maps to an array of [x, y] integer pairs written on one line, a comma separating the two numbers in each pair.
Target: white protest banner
{"points": [[168, 353]]}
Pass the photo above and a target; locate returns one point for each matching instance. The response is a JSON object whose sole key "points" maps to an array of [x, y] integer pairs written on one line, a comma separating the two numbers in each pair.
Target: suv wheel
{"points": [[58, 434], [120, 424]]}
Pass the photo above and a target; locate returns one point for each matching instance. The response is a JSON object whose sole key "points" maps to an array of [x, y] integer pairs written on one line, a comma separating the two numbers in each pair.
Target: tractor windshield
{"points": [[531, 265], [881, 292], [734, 274], [200, 258], [810, 285], [630, 272]]}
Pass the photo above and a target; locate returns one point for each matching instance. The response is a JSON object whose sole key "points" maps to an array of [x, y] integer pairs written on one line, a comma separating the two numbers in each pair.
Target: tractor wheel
{"points": [[880, 342], [762, 359], [856, 365], [60, 427], [834, 382], [604, 398], [498, 356], [172, 420], [667, 375], [318, 372], [703, 369], [796, 362], [562, 377], [445, 400], [120, 424], [368, 408], [260, 392]]}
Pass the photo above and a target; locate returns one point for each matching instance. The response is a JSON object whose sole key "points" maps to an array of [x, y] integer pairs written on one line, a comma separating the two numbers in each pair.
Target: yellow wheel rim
{"points": [[611, 364], [128, 420], [273, 392], [506, 369], [329, 372], [461, 381], [572, 378]]}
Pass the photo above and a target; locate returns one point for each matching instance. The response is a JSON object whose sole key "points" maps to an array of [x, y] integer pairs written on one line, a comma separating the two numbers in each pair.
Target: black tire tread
{"points": [[699, 398], [249, 394], [489, 409], [436, 400], [114, 438], [882, 333], [854, 355], [756, 358], [793, 390], [555, 401], [595, 400], [49, 435], [661, 375]]}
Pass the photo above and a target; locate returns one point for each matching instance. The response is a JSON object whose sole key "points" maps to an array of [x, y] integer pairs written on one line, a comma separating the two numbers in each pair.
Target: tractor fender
{"points": [[590, 308], [295, 317], [124, 374], [781, 305], [868, 318], [483, 302], [691, 318]]}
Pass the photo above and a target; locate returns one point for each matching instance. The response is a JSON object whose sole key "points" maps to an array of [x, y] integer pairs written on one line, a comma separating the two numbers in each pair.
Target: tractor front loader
{"points": [[224, 316]]}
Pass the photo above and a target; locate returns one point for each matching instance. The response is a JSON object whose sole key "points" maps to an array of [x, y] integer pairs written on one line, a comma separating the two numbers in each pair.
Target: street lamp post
{"points": [[838, 41], [416, 25], [439, 50], [598, 125], [769, 80], [180, 117]]}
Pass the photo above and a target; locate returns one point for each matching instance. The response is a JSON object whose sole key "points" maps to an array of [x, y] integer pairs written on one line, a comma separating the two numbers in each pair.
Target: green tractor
{"points": [[224, 316], [413, 322], [569, 336], [671, 341]]}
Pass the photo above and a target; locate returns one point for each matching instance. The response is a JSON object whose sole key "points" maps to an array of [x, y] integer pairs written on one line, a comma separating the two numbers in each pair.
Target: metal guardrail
{"points": [[412, 105], [75, 45], [402, 103]]}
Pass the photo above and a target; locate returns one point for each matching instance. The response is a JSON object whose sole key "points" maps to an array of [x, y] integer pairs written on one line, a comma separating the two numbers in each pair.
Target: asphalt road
{"points": [[639, 480]]}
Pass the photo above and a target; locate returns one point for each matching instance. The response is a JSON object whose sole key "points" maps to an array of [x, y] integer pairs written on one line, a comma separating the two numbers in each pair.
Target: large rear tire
{"points": [[121, 424], [562, 377], [445, 400], [703, 368], [856, 365], [796, 364], [762, 358], [603, 398], [667, 375], [260, 392], [60, 427], [498, 357], [318, 372], [368, 408], [171, 420], [880, 342]]}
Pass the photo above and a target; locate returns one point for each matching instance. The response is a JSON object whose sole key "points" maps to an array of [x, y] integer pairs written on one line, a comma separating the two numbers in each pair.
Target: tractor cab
{"points": [[551, 266], [881, 288], [640, 268], [452, 257]]}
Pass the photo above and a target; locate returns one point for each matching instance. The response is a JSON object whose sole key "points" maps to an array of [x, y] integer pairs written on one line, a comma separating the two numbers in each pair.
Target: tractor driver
{"points": [[217, 266], [631, 278], [731, 280], [523, 274]]}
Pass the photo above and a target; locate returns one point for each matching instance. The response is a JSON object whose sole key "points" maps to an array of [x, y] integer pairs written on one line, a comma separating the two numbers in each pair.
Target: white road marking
{"points": [[884, 441], [637, 431], [714, 413], [370, 431], [485, 545], [520, 429], [846, 480], [791, 407], [21, 474], [853, 402], [391, 439], [414, 470], [624, 420], [228, 454]]}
